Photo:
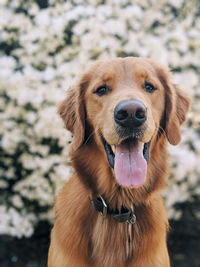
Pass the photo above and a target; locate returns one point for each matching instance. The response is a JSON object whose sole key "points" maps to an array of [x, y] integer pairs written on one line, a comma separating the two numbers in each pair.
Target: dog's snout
{"points": [[130, 113]]}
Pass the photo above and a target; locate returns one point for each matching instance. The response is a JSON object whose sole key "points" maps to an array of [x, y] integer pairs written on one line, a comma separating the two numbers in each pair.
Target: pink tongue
{"points": [[130, 166]]}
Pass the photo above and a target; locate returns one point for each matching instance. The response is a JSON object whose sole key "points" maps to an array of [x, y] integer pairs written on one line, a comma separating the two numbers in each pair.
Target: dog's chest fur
{"points": [[111, 239]]}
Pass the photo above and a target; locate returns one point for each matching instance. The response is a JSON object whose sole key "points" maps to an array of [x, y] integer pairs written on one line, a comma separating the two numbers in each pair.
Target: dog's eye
{"points": [[102, 90], [149, 87]]}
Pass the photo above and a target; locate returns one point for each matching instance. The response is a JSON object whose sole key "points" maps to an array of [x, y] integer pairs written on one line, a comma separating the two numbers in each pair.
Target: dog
{"points": [[122, 113]]}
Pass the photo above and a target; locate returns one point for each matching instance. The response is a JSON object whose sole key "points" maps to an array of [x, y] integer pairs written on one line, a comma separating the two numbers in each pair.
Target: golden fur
{"points": [[81, 236]]}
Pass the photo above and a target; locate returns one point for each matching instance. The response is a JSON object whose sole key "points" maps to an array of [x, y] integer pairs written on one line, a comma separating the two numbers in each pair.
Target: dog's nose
{"points": [[130, 113]]}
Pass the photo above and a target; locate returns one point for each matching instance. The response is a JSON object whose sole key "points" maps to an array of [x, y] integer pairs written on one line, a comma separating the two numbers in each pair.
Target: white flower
{"points": [[3, 184], [114, 27], [14, 223], [10, 140], [17, 201]]}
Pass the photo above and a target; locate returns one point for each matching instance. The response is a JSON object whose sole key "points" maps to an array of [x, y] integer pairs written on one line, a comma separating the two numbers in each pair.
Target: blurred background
{"points": [[44, 45]]}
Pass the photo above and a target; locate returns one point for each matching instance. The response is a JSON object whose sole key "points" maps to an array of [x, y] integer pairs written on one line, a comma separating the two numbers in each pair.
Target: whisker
{"points": [[95, 131], [161, 130]]}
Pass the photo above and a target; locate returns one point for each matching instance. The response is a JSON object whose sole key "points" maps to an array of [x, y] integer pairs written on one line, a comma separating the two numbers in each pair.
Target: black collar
{"points": [[124, 215]]}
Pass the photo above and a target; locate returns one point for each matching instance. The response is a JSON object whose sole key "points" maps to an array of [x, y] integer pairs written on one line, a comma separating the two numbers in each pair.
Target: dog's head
{"points": [[124, 105]]}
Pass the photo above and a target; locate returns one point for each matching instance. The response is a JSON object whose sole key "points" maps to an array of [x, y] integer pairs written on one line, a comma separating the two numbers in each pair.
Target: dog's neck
{"points": [[120, 242]]}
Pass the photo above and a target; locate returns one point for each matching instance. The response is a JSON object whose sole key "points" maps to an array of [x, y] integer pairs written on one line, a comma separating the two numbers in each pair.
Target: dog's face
{"points": [[122, 101], [126, 103]]}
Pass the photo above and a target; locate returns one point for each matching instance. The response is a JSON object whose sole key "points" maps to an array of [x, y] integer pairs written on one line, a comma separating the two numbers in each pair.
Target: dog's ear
{"points": [[72, 111], [177, 104]]}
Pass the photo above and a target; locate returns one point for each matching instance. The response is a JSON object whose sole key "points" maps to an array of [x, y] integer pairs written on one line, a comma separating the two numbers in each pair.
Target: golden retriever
{"points": [[110, 213]]}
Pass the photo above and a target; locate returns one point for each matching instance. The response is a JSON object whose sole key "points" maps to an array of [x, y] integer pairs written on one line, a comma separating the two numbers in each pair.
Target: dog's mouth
{"points": [[129, 161]]}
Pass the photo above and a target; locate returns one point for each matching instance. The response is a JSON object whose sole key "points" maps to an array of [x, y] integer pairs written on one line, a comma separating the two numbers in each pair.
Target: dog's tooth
{"points": [[142, 145], [113, 148]]}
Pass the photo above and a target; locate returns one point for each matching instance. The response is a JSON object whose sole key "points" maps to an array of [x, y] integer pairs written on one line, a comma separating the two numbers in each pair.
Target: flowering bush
{"points": [[43, 47]]}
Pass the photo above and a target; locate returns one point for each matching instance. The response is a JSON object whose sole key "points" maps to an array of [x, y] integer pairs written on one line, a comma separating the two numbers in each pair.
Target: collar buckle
{"points": [[132, 218]]}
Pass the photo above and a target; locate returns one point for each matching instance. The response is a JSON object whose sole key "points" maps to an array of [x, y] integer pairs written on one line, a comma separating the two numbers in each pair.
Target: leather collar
{"points": [[122, 215]]}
